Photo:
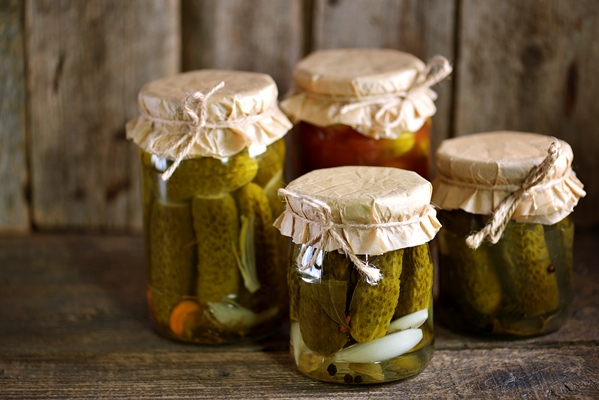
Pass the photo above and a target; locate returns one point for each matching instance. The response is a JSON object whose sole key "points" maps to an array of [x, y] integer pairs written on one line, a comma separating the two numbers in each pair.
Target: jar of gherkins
{"points": [[363, 107], [506, 244], [361, 275], [212, 156]]}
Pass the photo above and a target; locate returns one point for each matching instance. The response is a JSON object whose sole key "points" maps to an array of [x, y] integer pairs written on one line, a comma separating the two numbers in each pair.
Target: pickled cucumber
{"points": [[294, 291], [270, 163], [217, 231], [372, 306], [472, 279], [147, 198], [320, 333], [531, 282], [207, 176], [416, 281], [559, 239], [251, 200], [172, 257]]}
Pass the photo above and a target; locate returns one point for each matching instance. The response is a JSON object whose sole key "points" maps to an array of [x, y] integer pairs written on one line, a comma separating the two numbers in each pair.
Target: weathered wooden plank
{"points": [[74, 325], [14, 212], [423, 28], [260, 35], [531, 66], [87, 61]]}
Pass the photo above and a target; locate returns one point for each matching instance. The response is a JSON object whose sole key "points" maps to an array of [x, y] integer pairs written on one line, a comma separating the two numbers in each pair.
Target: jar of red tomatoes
{"points": [[363, 107]]}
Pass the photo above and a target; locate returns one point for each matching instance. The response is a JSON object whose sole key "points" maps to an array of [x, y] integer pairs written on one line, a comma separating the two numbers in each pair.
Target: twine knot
{"points": [[195, 127], [328, 233], [502, 215], [436, 70]]}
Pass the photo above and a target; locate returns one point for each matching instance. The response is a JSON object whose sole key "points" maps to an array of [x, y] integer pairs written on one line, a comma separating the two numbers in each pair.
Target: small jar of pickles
{"points": [[505, 249], [363, 107], [361, 275], [212, 157]]}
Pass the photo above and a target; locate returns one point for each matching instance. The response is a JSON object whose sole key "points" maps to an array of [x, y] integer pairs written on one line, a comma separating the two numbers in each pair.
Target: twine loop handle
{"points": [[501, 216], [436, 70], [328, 233]]}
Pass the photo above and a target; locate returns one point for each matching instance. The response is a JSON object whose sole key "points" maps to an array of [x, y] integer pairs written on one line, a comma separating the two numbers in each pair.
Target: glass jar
{"points": [[520, 286], [209, 200], [361, 276], [338, 145], [345, 330], [505, 248], [363, 107]]}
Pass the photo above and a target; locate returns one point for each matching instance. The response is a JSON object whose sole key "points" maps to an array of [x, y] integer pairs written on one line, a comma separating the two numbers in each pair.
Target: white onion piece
{"points": [[232, 316], [297, 341], [380, 349], [414, 320]]}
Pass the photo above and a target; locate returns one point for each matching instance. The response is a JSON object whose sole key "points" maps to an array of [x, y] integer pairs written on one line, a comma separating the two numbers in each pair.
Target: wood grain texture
{"points": [[532, 66], [74, 324], [260, 35], [87, 62], [14, 211], [423, 28]]}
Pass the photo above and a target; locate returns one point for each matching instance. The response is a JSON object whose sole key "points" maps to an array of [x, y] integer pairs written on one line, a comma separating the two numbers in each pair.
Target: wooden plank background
{"points": [[70, 72]]}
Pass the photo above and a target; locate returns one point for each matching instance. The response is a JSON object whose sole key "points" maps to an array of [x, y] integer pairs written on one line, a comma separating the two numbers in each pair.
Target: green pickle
{"points": [[217, 231], [172, 258], [373, 306], [207, 176], [416, 288], [531, 282]]}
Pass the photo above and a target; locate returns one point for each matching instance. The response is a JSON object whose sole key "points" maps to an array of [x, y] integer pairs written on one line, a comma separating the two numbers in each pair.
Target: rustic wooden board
{"points": [[74, 324], [423, 28], [531, 66], [87, 62], [259, 35], [14, 211]]}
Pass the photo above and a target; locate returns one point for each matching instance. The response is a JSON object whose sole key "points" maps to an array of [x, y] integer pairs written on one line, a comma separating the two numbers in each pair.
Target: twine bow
{"points": [[328, 233], [436, 70], [496, 225], [196, 126]]}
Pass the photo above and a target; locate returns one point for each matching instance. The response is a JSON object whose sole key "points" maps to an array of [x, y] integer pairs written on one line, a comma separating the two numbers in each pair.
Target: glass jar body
{"points": [[345, 330], [339, 145], [214, 272], [519, 287]]}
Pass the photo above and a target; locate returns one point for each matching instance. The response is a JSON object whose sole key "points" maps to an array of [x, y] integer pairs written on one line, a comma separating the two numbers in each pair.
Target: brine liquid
{"points": [[214, 258], [339, 145], [519, 287]]}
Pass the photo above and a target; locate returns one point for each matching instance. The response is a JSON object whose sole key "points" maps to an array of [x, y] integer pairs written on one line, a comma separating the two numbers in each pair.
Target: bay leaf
{"points": [[331, 294]]}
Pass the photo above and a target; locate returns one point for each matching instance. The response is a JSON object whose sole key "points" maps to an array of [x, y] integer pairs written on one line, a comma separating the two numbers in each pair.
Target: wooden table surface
{"points": [[74, 324]]}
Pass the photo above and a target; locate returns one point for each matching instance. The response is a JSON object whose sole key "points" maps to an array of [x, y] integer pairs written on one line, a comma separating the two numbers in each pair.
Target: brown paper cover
{"points": [[374, 209], [381, 87], [477, 172], [241, 114]]}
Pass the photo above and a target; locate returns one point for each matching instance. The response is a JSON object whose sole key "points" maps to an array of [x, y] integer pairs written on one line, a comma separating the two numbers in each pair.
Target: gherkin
{"points": [[147, 198], [372, 306], [251, 200], [531, 283], [320, 333], [559, 239], [416, 281], [207, 176], [293, 281], [217, 231], [172, 257], [270, 163], [471, 277]]}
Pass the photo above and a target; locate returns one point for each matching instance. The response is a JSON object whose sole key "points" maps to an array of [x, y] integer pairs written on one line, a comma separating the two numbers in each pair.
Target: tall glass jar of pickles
{"points": [[361, 276], [506, 244], [363, 107], [212, 157]]}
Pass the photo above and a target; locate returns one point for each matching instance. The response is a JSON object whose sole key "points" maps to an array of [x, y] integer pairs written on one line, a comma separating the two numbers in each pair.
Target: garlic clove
{"points": [[381, 349], [414, 320]]}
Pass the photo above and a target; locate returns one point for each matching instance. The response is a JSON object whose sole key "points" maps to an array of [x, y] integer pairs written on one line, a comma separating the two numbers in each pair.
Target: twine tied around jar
{"points": [[195, 120], [501, 216], [325, 220], [436, 70]]}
